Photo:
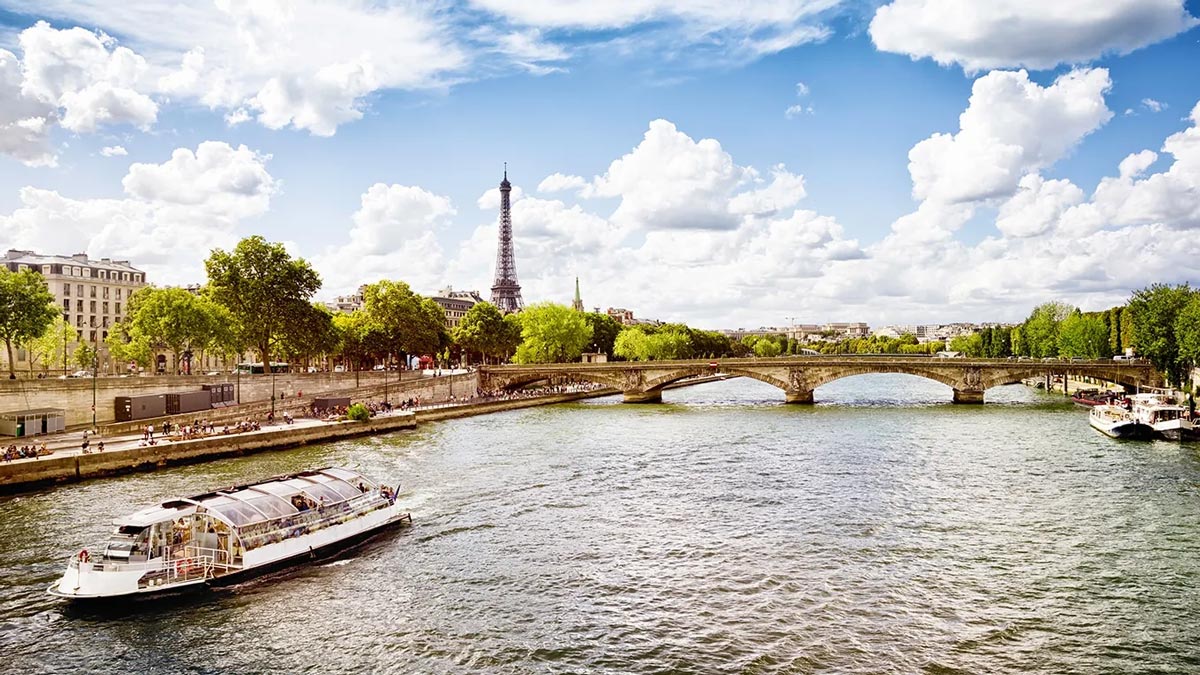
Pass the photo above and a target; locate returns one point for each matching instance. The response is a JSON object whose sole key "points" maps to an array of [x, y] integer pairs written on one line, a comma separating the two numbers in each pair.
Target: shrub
{"points": [[358, 412]]}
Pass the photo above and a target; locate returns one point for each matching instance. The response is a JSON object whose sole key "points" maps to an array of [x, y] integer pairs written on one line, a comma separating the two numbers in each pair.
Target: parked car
{"points": [[81, 373], [1121, 357], [339, 369]]}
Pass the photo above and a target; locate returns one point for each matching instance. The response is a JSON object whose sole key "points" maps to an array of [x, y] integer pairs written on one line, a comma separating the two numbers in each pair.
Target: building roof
{"points": [[32, 258]]}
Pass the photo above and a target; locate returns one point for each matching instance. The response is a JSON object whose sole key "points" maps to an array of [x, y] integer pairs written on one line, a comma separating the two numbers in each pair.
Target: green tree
{"points": [[1154, 312], [481, 331], [51, 348], [311, 335], [175, 319], [127, 345], [1040, 330], [27, 309], [632, 344], [1114, 331], [510, 340], [405, 321], [85, 356], [263, 288], [1083, 336], [1187, 332], [968, 345], [552, 333], [604, 332], [767, 348]]}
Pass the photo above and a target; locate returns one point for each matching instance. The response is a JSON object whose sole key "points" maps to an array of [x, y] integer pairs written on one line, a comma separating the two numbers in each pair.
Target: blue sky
{"points": [[370, 138]]}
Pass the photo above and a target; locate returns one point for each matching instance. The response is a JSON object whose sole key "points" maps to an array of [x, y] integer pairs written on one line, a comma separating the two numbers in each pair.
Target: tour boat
{"points": [[226, 536], [1118, 422], [1167, 419]]}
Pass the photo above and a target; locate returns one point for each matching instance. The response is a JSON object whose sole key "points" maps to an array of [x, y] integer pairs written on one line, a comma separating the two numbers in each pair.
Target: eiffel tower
{"points": [[506, 292]]}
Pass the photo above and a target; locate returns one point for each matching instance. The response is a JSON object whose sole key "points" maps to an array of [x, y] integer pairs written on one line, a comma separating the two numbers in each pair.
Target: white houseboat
{"points": [[225, 536], [1118, 422], [1168, 420]]}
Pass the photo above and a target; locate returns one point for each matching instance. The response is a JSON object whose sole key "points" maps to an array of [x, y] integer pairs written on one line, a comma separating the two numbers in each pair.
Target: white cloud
{"points": [[1036, 206], [1167, 198], [1011, 127], [25, 121], [801, 89], [1153, 106], [393, 237], [794, 111], [670, 181], [87, 76], [113, 151], [557, 182], [173, 214], [984, 34]]}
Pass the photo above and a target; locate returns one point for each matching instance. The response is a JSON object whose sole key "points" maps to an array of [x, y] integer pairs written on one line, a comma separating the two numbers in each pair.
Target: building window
{"points": [[124, 276], [66, 305], [92, 306], [117, 309], [93, 291], [102, 274], [104, 321], [66, 289], [79, 323], [79, 290], [92, 321], [104, 335], [137, 278], [117, 320], [92, 336], [118, 296], [104, 292], [87, 273], [78, 305], [45, 269], [22, 268], [105, 308]]}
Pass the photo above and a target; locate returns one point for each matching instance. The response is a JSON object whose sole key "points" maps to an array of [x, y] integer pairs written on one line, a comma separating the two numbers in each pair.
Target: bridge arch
{"points": [[825, 376]]}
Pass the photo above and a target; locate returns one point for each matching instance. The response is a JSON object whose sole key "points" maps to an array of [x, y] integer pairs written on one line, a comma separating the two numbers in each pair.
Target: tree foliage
{"points": [[552, 333], [128, 346], [1154, 311], [1083, 336], [403, 320], [1187, 332], [27, 309], [52, 347], [175, 319], [1039, 333], [484, 331], [264, 289], [605, 330]]}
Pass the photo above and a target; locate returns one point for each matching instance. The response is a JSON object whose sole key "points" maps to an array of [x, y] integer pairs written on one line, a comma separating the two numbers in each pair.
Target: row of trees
{"points": [[259, 299]]}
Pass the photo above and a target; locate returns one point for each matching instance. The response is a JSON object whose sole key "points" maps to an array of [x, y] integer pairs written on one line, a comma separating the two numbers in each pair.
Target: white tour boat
{"points": [[1167, 419], [1118, 422], [225, 536]]}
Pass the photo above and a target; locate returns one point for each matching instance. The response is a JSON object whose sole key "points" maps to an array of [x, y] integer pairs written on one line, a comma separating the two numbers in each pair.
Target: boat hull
{"points": [[324, 552], [1127, 430]]}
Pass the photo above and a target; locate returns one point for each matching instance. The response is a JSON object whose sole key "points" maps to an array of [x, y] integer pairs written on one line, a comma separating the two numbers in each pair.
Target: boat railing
{"points": [[291, 525]]}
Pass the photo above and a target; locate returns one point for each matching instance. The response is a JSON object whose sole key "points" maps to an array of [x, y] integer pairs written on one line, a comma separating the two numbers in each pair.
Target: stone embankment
{"points": [[70, 464], [125, 453]]}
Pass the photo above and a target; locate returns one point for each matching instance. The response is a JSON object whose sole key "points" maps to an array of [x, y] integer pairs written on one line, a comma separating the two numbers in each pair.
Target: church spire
{"points": [[578, 304]]}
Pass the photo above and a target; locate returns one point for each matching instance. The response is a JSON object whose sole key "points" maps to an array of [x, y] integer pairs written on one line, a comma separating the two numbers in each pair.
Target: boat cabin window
{"points": [[126, 542]]}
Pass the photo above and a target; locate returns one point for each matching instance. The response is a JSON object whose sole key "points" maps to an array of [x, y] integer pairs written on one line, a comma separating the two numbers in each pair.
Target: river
{"points": [[881, 530]]}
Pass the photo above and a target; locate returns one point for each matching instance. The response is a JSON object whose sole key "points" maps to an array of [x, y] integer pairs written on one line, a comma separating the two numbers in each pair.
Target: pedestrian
{"points": [[100, 446], [150, 430]]}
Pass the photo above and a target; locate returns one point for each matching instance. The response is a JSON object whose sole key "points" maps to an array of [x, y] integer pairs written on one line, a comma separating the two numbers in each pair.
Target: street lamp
{"points": [[386, 357], [95, 369], [271, 367]]}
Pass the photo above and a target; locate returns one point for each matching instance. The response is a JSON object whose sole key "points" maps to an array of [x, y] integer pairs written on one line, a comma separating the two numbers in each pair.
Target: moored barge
{"points": [[226, 536]]}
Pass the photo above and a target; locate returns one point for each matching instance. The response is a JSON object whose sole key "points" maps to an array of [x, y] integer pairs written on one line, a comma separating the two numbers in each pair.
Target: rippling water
{"points": [[882, 530]]}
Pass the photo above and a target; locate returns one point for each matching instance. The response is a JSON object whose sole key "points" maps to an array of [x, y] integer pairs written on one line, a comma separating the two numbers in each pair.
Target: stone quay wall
{"points": [[69, 468], [75, 395], [56, 469]]}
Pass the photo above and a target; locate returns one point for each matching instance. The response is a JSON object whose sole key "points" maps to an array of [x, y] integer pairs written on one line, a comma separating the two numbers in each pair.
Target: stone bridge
{"points": [[643, 382]]}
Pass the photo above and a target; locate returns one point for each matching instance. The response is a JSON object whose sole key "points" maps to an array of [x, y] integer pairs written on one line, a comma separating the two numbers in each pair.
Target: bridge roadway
{"points": [[798, 376]]}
